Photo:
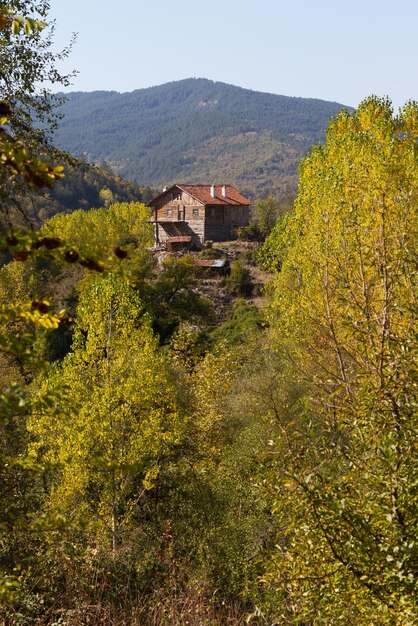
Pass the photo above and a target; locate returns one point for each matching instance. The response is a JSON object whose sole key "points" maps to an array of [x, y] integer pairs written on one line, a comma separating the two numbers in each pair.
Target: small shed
{"points": [[214, 266]]}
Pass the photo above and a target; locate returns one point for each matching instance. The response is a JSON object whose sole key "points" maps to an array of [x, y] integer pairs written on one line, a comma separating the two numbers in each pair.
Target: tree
{"points": [[123, 226], [27, 65], [18, 163], [106, 196], [265, 214], [111, 433], [172, 298], [345, 312], [239, 280]]}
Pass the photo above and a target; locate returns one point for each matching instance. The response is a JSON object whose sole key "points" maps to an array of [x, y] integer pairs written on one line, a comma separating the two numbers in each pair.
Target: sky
{"points": [[338, 51]]}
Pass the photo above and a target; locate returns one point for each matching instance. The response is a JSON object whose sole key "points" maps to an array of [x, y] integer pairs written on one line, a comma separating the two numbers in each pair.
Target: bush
{"points": [[239, 281], [249, 233], [210, 253], [246, 322]]}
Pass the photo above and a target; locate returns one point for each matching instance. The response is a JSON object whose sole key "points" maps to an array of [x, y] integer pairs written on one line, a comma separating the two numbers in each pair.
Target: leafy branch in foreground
{"points": [[19, 23], [27, 65], [18, 162]]}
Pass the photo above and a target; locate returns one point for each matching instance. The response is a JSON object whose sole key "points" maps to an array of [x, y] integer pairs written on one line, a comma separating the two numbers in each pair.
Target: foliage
{"points": [[27, 64], [19, 488], [100, 231], [271, 254], [17, 162], [173, 299], [18, 22], [112, 433], [19, 165], [248, 233], [210, 253], [264, 215], [230, 392], [239, 280], [155, 483], [246, 323], [85, 187], [345, 473]]}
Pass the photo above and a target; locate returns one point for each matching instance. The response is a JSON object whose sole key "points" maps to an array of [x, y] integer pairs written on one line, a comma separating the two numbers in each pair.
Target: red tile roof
{"points": [[202, 193]]}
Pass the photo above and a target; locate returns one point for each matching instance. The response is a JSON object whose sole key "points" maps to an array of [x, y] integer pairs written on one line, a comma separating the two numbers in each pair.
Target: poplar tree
{"points": [[345, 313], [118, 420]]}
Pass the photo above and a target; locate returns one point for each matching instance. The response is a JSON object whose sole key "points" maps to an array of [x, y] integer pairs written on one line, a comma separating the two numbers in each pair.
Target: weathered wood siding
{"points": [[183, 212], [195, 217], [221, 221]]}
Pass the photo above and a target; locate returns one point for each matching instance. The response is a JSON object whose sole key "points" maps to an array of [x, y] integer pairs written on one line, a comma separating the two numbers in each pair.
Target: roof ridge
{"points": [[202, 192]]}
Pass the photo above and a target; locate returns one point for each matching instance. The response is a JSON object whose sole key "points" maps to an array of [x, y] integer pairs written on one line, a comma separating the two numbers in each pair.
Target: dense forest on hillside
{"points": [[83, 186], [181, 448], [186, 129]]}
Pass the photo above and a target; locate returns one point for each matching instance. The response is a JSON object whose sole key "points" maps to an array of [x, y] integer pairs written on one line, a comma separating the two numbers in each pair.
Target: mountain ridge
{"points": [[178, 130], [203, 79]]}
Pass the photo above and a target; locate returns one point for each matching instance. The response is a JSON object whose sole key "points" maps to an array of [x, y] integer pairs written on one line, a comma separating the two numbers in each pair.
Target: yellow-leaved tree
{"points": [[118, 419], [345, 316]]}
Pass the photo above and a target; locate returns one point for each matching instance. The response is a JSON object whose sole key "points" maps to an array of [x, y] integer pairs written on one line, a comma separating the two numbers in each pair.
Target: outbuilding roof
{"points": [[214, 263]]}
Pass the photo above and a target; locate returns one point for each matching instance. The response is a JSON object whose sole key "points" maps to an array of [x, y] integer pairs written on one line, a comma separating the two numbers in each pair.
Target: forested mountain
{"points": [[83, 186], [194, 130]]}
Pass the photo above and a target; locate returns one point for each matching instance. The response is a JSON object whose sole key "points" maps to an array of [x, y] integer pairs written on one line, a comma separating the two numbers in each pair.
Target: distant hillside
{"points": [[196, 130], [83, 187]]}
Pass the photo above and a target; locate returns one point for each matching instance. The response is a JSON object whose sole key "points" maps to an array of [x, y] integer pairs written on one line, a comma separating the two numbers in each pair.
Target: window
{"points": [[195, 211], [176, 195], [169, 212]]}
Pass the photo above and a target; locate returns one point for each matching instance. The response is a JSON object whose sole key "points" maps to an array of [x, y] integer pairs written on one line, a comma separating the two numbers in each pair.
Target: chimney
{"points": [[212, 191], [164, 188], [224, 191]]}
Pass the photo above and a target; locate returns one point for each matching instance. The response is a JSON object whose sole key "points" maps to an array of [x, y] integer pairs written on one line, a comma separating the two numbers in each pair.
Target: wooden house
{"points": [[192, 214]]}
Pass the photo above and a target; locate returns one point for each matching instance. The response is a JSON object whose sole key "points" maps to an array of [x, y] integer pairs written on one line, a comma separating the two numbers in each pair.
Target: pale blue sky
{"points": [[321, 49]]}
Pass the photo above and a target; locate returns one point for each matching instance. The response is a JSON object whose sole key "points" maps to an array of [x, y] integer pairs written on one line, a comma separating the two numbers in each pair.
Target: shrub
{"points": [[239, 280]]}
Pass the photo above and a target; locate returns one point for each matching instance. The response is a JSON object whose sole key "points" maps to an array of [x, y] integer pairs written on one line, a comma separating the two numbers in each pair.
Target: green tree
{"points": [[172, 298], [345, 315], [239, 280], [265, 214]]}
